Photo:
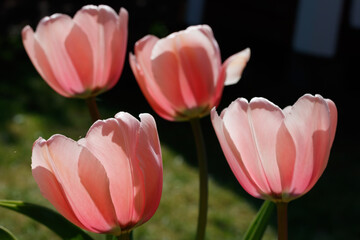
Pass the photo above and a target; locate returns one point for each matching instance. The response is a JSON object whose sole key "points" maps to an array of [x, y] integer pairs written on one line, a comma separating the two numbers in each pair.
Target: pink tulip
{"points": [[277, 154], [108, 182], [181, 75], [79, 57]]}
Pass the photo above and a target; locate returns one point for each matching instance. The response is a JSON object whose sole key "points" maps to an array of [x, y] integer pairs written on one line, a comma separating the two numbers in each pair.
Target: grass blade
{"points": [[6, 234], [259, 224]]}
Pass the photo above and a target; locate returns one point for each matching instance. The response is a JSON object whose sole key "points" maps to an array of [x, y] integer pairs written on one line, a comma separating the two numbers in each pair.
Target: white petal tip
{"points": [[234, 66]]}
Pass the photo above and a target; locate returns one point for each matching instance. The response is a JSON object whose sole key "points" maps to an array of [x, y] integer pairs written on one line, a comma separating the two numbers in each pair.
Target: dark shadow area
{"points": [[330, 210]]}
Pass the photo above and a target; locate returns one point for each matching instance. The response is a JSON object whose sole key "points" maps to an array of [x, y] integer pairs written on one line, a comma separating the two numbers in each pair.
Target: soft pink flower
{"points": [[277, 154], [181, 75], [108, 182], [79, 57]]}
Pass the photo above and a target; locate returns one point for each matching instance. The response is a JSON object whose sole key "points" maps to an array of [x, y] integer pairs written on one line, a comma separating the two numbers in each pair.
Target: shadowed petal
{"points": [[308, 115], [322, 142], [78, 47], [149, 155], [96, 182], [285, 156]]}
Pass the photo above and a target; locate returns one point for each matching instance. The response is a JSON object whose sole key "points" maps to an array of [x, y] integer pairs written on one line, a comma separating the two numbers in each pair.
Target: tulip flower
{"points": [[108, 182], [277, 154], [79, 57], [181, 75]]}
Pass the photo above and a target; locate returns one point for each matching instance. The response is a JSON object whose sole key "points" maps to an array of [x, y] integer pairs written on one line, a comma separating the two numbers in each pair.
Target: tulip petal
{"points": [[49, 186], [130, 128], [195, 65], [264, 134], [168, 78], [193, 62], [141, 67], [51, 34], [200, 63], [66, 155], [118, 48], [116, 137], [230, 73], [234, 66], [143, 50], [321, 151], [62, 156], [149, 155], [40, 60], [322, 142], [233, 156], [94, 179], [285, 156], [99, 24], [239, 126], [207, 31], [308, 115], [78, 47], [333, 118]]}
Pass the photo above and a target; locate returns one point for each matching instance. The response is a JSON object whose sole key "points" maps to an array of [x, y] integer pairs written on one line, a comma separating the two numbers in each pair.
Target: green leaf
{"points": [[51, 219], [6, 234], [259, 224]]}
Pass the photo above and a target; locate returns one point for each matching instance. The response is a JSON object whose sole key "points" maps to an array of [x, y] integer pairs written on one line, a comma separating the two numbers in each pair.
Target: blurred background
{"points": [[297, 47]]}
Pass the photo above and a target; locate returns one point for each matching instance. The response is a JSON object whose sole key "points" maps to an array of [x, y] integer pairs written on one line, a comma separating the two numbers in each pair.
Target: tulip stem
{"points": [[125, 236], [93, 109], [203, 177], [282, 220]]}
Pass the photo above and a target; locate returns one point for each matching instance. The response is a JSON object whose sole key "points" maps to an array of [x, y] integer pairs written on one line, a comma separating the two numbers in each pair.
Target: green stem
{"points": [[93, 109], [282, 220], [203, 178], [125, 236], [109, 237]]}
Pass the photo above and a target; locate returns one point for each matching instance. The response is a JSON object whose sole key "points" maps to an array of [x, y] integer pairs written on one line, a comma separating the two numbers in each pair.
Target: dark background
{"points": [[275, 71]]}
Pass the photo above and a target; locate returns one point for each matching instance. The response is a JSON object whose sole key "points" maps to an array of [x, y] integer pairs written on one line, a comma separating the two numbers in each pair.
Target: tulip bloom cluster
{"points": [[108, 182], [111, 180]]}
